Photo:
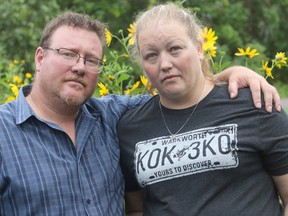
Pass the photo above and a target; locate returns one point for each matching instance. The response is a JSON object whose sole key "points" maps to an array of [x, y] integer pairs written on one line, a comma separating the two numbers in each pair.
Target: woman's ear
{"points": [[200, 50]]}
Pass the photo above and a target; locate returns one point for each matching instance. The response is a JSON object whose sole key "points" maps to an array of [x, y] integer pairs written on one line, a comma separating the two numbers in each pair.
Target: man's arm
{"points": [[240, 77], [134, 203], [281, 183]]}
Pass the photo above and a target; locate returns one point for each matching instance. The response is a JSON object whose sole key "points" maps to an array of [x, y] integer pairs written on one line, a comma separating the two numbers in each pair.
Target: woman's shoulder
{"points": [[142, 111]]}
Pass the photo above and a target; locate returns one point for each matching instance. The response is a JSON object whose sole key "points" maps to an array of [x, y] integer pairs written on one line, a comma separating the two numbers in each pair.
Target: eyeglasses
{"points": [[70, 57]]}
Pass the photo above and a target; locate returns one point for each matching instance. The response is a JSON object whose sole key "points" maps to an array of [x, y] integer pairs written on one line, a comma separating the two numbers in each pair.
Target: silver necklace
{"points": [[173, 135]]}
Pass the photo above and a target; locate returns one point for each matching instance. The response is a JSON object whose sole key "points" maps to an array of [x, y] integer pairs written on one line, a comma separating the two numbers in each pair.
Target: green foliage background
{"points": [[260, 24]]}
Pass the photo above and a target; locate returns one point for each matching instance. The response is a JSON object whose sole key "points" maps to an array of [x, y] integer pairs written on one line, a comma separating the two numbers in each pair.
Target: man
{"points": [[59, 151]]}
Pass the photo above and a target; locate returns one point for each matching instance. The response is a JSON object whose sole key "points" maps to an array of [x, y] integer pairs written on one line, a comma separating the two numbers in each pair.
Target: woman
{"points": [[191, 150]]}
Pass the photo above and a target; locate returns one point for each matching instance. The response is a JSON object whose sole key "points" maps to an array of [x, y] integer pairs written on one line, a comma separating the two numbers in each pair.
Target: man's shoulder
{"points": [[7, 108], [8, 117]]}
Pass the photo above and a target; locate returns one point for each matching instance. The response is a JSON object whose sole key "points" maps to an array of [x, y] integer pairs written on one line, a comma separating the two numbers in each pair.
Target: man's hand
{"points": [[240, 77]]}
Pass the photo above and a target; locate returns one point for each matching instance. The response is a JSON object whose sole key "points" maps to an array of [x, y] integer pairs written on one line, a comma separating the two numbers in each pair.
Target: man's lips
{"points": [[77, 81]]}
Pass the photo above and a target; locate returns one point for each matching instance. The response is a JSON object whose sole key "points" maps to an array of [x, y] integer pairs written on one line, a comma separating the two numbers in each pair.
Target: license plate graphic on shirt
{"points": [[188, 153]]}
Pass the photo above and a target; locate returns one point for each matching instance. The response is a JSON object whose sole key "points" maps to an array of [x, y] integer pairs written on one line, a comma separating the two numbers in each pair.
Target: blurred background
{"points": [[260, 24]]}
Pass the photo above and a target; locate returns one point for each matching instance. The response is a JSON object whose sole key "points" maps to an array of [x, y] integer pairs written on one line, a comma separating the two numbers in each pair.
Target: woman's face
{"points": [[170, 59]]}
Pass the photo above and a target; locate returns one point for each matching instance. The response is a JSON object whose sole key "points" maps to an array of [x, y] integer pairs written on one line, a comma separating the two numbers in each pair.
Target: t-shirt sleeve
{"points": [[127, 165], [127, 149], [274, 135]]}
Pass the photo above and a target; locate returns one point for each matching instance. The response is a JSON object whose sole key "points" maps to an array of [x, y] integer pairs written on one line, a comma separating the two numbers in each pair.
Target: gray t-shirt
{"points": [[220, 163]]}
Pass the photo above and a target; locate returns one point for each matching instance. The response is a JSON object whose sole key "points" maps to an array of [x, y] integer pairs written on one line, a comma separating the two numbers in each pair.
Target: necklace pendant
{"points": [[173, 136]]}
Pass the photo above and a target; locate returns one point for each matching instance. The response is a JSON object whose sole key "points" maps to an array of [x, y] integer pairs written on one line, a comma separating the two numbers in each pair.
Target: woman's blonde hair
{"points": [[171, 11]]}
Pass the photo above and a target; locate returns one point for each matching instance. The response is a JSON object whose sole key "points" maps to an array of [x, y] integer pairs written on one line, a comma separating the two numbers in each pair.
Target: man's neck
{"points": [[58, 113]]}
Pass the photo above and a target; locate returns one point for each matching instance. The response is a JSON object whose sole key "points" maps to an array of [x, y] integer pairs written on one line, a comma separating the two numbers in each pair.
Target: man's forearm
{"points": [[224, 75]]}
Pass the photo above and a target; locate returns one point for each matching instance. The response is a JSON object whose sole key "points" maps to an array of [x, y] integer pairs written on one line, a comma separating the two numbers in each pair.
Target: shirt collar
{"points": [[23, 109]]}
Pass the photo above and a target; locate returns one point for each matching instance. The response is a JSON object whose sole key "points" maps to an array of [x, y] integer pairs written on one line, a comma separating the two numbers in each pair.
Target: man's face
{"points": [[71, 83]]}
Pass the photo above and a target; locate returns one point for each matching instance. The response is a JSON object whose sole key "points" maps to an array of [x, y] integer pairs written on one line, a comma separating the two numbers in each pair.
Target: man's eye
{"points": [[69, 54], [92, 61]]}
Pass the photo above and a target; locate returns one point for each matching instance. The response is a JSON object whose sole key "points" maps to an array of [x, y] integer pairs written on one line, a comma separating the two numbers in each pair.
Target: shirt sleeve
{"points": [[125, 103]]}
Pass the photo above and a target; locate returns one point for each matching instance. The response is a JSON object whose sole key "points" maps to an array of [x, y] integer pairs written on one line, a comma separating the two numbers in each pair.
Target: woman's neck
{"points": [[188, 100]]}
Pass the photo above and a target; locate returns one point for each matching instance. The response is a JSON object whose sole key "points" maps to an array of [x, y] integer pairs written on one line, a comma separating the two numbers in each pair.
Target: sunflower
{"points": [[280, 59], [249, 53], [210, 49], [108, 37], [209, 40], [208, 35], [135, 86], [268, 70], [103, 90], [132, 32]]}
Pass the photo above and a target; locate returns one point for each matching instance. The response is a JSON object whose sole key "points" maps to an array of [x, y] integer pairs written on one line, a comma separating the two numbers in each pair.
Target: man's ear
{"points": [[39, 56]]}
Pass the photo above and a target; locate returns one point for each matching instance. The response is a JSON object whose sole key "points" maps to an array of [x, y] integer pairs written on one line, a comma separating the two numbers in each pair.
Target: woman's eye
{"points": [[150, 56], [174, 48]]}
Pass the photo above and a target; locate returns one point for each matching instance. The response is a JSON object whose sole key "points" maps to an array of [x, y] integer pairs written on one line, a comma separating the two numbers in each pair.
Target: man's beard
{"points": [[73, 100]]}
